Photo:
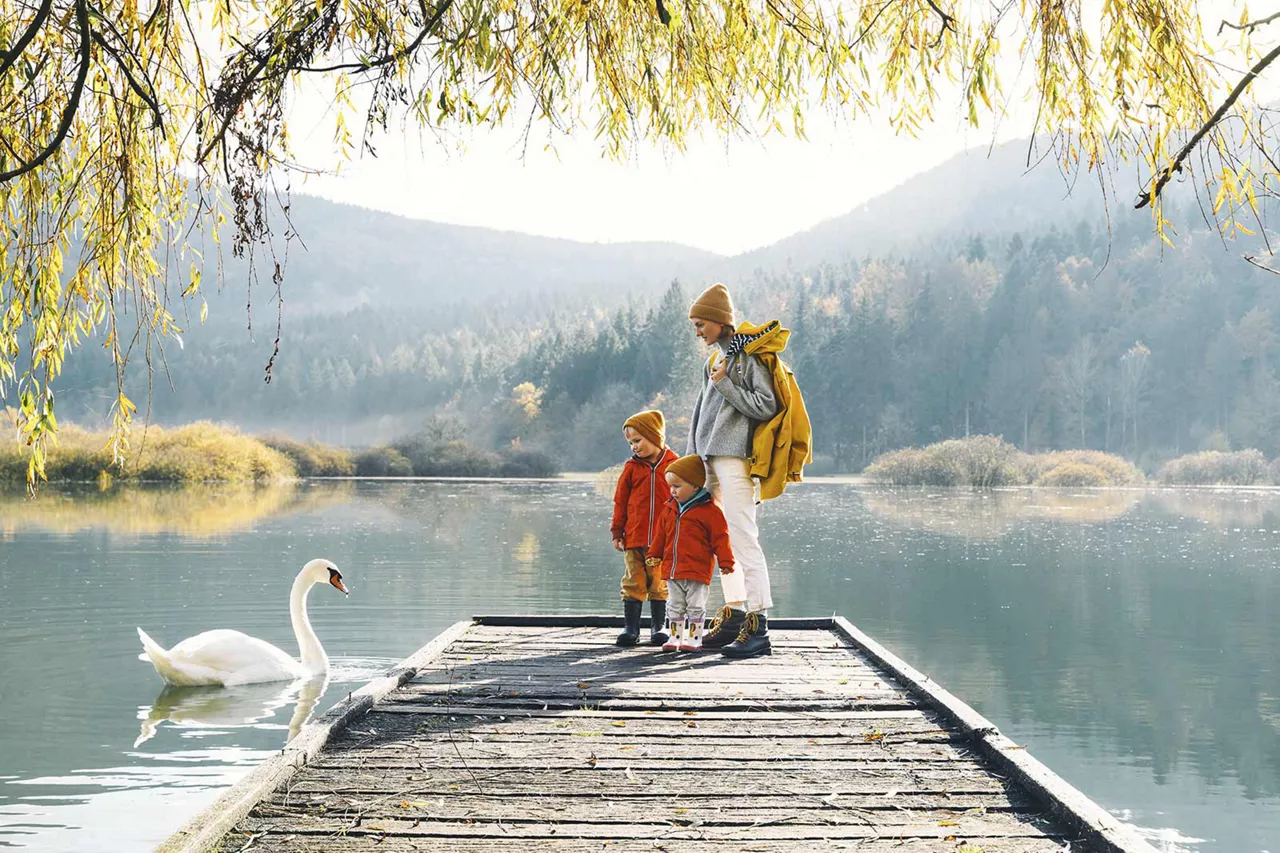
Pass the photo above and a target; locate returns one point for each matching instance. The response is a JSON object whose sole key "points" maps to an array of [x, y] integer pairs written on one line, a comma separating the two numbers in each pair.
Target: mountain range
{"points": [[351, 256]]}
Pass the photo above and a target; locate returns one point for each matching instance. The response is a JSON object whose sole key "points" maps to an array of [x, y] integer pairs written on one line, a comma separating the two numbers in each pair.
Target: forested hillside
{"points": [[1048, 330]]}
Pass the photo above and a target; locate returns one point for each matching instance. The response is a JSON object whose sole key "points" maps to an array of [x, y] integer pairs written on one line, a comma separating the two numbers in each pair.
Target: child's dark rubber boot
{"points": [[724, 629], [657, 622], [631, 633], [753, 639]]}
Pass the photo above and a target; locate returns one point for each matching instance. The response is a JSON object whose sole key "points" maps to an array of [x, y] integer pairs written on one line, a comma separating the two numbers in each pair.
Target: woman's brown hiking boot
{"points": [[724, 628]]}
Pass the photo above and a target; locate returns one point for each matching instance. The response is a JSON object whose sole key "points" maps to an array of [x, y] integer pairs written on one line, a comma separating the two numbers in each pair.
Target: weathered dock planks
{"points": [[536, 733]]}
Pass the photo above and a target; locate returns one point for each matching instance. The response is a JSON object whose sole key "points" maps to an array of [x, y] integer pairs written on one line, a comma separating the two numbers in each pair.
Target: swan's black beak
{"points": [[335, 580]]}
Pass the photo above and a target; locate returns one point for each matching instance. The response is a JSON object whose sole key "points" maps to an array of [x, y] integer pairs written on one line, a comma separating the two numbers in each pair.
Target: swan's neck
{"points": [[313, 656]]}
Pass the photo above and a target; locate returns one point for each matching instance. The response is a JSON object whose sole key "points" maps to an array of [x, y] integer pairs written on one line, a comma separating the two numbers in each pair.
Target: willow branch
{"points": [[1249, 26], [255, 74], [433, 21], [1167, 173], [149, 99], [948, 22], [11, 56], [73, 101]]}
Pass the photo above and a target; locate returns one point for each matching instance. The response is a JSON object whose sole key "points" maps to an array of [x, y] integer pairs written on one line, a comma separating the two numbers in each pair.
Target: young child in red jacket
{"points": [[637, 504], [691, 539]]}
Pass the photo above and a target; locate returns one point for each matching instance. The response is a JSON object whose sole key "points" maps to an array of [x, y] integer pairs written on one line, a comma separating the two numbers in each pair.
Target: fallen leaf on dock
{"points": [[619, 724]]}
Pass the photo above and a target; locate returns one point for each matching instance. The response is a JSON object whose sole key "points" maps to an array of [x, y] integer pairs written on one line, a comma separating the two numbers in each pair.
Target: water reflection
{"points": [[222, 707], [987, 515], [195, 510]]}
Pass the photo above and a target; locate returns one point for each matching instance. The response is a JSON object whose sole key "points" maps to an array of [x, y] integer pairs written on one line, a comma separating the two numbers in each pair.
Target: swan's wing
{"points": [[232, 652]]}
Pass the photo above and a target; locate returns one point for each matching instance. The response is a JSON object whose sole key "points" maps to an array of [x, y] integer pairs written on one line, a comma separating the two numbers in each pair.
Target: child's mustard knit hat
{"points": [[649, 424], [691, 469]]}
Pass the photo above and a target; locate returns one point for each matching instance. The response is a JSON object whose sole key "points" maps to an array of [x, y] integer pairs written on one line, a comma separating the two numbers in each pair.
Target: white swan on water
{"points": [[230, 658]]}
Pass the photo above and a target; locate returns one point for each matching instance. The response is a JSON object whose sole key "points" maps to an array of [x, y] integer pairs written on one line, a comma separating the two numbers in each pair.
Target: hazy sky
{"points": [[725, 196]]}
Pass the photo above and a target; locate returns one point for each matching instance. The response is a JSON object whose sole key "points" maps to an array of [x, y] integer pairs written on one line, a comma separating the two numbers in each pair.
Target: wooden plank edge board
{"points": [[595, 620], [207, 829], [1099, 827]]}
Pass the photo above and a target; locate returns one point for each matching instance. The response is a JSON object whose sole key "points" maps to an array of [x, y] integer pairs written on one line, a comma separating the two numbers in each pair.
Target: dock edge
{"points": [[203, 832]]}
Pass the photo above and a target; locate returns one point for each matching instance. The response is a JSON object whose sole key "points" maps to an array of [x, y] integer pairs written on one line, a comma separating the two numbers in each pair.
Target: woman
{"points": [[738, 393]]}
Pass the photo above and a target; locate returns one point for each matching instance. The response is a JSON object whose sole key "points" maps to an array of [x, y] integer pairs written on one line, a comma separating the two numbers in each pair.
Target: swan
{"points": [[230, 658]]}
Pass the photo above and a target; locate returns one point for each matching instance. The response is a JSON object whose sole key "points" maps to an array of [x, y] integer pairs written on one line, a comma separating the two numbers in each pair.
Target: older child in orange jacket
{"points": [[692, 538], [637, 504]]}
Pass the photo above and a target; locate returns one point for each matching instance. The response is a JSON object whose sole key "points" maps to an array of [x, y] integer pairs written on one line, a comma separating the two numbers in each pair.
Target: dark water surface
{"points": [[1129, 639]]}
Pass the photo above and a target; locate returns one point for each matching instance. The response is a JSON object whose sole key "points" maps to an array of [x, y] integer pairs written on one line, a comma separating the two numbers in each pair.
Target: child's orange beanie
{"points": [[649, 424], [691, 469]]}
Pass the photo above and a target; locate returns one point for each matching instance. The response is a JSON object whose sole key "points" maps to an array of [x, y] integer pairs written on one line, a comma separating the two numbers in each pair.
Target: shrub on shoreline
{"points": [[314, 460], [1072, 468], [205, 452], [987, 461], [983, 461], [382, 462], [196, 453], [1216, 468]]}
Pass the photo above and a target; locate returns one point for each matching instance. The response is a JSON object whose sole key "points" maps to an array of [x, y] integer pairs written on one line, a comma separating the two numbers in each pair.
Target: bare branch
{"points": [[1253, 259], [1167, 173], [73, 100], [1250, 26], [948, 22]]}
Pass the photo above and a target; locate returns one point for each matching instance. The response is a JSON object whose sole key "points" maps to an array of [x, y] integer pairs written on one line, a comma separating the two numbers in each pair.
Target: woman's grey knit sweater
{"points": [[726, 412]]}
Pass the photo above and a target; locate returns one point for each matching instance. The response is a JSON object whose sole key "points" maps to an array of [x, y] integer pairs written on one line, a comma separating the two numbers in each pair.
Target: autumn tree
{"points": [[131, 130]]}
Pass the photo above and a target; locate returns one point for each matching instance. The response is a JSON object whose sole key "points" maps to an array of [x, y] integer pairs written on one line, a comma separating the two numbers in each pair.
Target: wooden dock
{"points": [[528, 733]]}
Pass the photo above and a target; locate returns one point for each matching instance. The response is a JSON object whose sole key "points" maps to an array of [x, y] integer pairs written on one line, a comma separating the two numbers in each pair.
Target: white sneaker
{"points": [[677, 633], [692, 641]]}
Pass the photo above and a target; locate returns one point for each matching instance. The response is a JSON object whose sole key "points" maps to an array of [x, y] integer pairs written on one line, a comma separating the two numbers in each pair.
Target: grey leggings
{"points": [[687, 600]]}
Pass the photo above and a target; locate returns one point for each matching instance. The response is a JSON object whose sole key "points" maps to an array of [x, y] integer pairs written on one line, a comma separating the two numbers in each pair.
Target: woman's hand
{"points": [[719, 370], [619, 545]]}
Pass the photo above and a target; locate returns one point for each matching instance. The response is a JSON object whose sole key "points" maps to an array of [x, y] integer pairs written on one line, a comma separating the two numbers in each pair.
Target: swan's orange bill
{"points": [[337, 583]]}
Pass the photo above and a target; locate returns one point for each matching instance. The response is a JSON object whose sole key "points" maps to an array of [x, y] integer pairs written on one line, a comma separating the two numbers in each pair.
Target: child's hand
{"points": [[619, 545], [720, 370], [726, 570]]}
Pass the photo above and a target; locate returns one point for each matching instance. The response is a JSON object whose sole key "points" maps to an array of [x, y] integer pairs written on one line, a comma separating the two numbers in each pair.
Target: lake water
{"points": [[1129, 639]]}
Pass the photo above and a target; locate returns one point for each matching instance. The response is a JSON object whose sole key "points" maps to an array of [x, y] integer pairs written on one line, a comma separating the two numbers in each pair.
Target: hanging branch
{"points": [[11, 56], [73, 101], [294, 49], [1167, 173], [148, 98]]}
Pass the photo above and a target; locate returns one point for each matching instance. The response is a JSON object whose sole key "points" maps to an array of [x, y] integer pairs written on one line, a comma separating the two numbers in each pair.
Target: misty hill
{"points": [[356, 257], [977, 191], [349, 257]]}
